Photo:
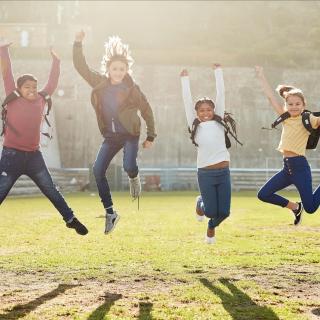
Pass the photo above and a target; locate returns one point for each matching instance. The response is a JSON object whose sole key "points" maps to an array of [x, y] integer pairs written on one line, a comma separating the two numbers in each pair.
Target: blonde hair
{"points": [[115, 50], [286, 91]]}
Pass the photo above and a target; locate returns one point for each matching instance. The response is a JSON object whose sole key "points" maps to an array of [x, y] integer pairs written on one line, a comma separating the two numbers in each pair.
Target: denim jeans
{"points": [[296, 171], [15, 163], [215, 189], [109, 148]]}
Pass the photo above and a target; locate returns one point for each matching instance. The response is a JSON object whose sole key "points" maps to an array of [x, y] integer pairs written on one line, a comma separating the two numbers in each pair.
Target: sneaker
{"points": [[78, 226], [298, 214], [135, 187], [210, 236], [199, 212], [111, 221]]}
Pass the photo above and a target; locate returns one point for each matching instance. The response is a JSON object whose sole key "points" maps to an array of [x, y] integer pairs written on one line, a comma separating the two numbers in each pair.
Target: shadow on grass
{"points": [[145, 309], [238, 304], [21, 310], [316, 311], [100, 312]]}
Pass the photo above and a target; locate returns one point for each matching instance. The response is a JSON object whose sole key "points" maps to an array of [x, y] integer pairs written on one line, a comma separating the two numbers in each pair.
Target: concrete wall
{"points": [[79, 138]]}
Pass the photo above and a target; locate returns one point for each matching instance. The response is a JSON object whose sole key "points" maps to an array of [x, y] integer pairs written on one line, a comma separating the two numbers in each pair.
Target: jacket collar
{"points": [[105, 82]]}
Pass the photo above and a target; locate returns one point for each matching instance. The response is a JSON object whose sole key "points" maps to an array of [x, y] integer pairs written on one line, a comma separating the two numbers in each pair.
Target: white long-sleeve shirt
{"points": [[210, 134]]}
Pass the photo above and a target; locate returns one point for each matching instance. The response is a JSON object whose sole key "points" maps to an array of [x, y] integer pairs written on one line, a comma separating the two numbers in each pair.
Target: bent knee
{"points": [[262, 195], [309, 209]]}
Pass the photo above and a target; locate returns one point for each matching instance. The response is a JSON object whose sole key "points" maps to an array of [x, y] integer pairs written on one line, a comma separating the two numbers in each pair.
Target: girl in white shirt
{"points": [[213, 157]]}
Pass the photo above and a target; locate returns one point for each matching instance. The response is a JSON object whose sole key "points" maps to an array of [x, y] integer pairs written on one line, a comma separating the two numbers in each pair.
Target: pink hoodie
{"points": [[23, 115]]}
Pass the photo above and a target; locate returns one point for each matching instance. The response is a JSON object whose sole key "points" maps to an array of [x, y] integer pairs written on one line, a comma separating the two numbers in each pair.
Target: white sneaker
{"points": [[199, 217], [111, 221], [135, 187], [210, 240]]}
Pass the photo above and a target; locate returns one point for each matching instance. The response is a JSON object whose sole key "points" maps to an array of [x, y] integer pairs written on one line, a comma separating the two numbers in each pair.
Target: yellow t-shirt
{"points": [[294, 135]]}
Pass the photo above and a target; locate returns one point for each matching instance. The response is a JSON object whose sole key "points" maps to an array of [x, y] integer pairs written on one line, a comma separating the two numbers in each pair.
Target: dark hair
{"points": [[204, 100], [25, 77], [285, 91]]}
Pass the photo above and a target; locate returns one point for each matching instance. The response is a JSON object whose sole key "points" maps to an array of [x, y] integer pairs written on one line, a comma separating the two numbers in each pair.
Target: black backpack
{"points": [[227, 122], [16, 94], [314, 133]]}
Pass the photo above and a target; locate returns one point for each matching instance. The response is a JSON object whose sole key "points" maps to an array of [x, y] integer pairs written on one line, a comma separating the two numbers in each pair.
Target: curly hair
{"points": [[115, 50]]}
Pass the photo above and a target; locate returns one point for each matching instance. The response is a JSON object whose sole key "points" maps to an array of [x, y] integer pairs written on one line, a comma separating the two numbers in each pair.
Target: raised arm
{"points": [[268, 91], [80, 64], [52, 83], [187, 98], [6, 68], [220, 98]]}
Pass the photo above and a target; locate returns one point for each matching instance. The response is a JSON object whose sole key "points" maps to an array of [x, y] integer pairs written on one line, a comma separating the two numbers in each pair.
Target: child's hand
{"points": [[4, 42], [147, 144], [216, 66], [259, 71], [184, 73], [79, 36], [54, 54]]}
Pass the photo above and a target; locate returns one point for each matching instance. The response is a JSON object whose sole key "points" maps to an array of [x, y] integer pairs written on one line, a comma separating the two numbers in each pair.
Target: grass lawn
{"points": [[155, 265]]}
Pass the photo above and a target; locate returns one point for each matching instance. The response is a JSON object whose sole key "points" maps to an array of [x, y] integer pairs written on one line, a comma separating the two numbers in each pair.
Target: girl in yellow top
{"points": [[294, 137]]}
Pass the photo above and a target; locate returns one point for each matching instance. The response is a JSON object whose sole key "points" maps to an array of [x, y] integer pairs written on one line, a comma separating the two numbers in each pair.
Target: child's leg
{"points": [[108, 150], [223, 198], [278, 182], [37, 170], [10, 170], [208, 192], [302, 179], [130, 153]]}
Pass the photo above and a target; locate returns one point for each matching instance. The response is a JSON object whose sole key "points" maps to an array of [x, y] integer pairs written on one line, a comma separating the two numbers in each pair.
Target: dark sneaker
{"points": [[78, 226], [298, 214], [111, 221]]}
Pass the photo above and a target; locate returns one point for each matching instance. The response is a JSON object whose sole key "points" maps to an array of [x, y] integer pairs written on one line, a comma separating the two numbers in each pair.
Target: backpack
{"points": [[227, 122], [314, 133], [16, 94]]}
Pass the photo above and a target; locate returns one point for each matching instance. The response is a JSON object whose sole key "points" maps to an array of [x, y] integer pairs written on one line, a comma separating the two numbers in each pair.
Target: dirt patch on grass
{"points": [[46, 296]]}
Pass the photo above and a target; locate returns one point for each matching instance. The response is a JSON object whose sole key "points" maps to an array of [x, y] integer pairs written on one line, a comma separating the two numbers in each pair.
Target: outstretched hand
{"points": [[54, 54], [184, 73], [80, 36], [4, 42]]}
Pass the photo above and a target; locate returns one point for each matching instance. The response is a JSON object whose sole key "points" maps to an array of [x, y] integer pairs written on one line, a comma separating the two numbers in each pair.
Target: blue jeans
{"points": [[215, 189], [15, 163], [109, 148], [296, 171]]}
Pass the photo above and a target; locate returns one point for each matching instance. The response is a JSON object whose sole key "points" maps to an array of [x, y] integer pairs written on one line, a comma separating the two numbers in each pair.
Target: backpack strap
{"points": [[306, 120], [48, 100], [12, 96], [281, 118]]}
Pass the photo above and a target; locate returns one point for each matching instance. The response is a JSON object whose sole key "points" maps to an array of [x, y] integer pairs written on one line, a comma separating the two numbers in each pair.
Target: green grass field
{"points": [[155, 265]]}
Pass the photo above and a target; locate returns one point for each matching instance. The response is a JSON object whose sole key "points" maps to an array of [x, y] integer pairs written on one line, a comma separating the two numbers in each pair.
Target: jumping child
{"points": [[212, 154], [23, 116], [116, 99], [293, 143]]}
